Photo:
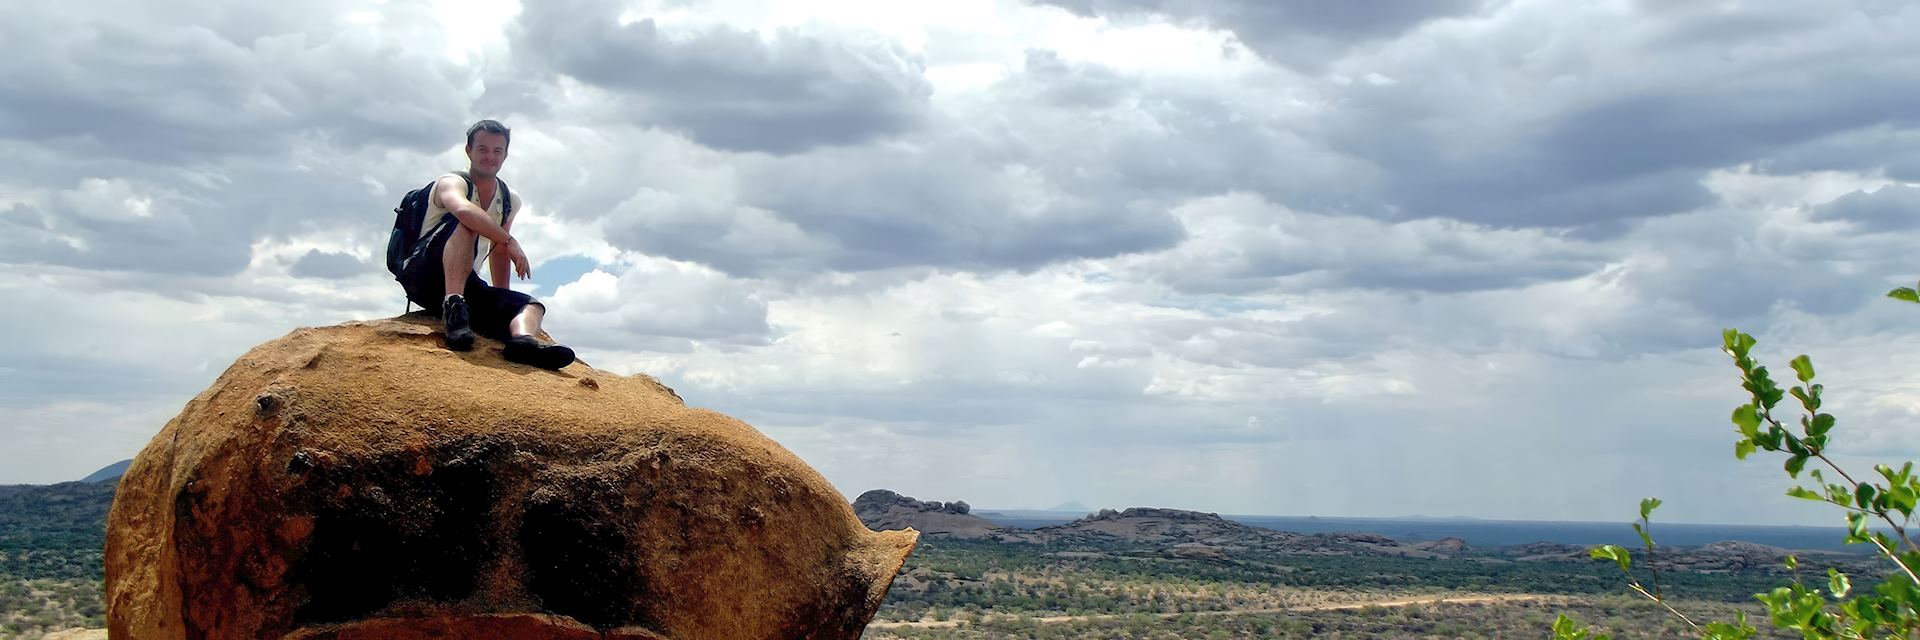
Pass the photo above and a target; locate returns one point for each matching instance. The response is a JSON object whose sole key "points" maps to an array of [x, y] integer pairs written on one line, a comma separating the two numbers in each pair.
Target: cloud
{"points": [[738, 89], [1242, 244], [1011, 189], [1299, 32], [660, 304], [120, 224], [121, 81], [944, 206], [1894, 207], [1609, 132], [329, 265]]}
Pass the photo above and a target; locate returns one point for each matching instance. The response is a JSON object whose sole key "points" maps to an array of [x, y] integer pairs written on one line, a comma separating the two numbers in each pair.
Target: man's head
{"points": [[487, 147]]}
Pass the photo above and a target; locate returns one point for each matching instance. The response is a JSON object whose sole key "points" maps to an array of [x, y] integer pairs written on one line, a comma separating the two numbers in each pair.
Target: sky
{"points": [[1368, 258]]}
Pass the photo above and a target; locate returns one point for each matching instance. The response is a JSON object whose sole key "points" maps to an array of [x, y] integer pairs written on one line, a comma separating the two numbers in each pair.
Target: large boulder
{"points": [[361, 481]]}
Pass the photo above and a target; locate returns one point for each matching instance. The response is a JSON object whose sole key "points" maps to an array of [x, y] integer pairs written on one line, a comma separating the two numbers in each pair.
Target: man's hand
{"points": [[519, 258]]}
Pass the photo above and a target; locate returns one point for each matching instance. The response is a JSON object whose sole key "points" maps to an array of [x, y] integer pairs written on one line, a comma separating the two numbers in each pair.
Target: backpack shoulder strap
{"points": [[471, 194], [506, 200]]}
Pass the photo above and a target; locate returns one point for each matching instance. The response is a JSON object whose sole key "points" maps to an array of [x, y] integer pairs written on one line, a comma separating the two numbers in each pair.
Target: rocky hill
{"points": [[1180, 533], [1207, 536], [69, 515], [1148, 525], [1198, 534], [883, 510]]}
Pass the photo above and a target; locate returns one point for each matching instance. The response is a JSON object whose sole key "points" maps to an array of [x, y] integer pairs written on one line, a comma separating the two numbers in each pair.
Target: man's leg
{"points": [[528, 322], [514, 318], [524, 345], [456, 260], [456, 263]]}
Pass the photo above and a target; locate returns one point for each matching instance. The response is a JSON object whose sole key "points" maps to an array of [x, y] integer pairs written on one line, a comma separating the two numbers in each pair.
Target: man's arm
{"points": [[452, 192], [497, 260]]}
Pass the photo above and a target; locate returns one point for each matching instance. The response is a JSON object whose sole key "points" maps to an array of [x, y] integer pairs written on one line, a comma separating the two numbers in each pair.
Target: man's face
{"points": [[487, 153]]}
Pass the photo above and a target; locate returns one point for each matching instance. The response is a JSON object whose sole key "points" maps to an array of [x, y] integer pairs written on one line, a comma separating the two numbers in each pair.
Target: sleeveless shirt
{"points": [[435, 212]]}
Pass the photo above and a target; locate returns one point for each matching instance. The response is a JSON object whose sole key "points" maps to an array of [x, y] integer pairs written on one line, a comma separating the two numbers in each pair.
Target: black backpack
{"points": [[412, 212]]}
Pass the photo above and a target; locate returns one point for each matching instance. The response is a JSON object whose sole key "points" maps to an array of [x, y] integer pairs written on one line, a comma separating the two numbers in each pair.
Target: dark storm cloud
{"points": [[1544, 126], [110, 83], [733, 89], [1034, 180], [1299, 32], [1892, 208], [205, 221]]}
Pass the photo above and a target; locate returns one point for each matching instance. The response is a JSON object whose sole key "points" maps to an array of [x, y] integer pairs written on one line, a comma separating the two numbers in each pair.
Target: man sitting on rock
{"points": [[443, 279]]}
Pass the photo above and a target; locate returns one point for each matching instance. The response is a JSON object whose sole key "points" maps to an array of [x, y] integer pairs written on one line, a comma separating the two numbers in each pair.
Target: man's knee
{"points": [[459, 247], [462, 239]]}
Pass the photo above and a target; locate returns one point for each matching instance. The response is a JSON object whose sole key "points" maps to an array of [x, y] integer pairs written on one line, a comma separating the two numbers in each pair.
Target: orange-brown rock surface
{"points": [[361, 481]]}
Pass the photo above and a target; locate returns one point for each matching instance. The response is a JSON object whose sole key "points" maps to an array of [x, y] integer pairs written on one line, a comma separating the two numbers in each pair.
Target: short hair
{"points": [[489, 126]]}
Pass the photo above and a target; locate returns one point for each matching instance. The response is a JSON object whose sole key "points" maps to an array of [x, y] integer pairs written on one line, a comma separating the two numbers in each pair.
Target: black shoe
{"points": [[528, 351], [453, 316]]}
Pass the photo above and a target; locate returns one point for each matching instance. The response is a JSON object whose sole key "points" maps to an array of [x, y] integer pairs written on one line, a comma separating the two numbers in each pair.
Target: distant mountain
{"points": [[1071, 505], [1207, 536], [109, 472], [1160, 526]]}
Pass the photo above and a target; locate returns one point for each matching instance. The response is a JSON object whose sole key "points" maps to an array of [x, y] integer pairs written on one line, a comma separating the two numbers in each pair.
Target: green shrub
{"points": [[1832, 608]]}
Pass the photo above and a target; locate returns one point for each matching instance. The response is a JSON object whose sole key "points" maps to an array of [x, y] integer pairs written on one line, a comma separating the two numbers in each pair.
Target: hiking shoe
{"points": [[454, 318], [527, 350]]}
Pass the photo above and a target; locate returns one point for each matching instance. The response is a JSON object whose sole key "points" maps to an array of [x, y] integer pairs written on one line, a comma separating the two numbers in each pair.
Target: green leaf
{"points": [[1804, 493], [1822, 423], [1644, 537], [1739, 630], [1771, 441], [1795, 464], [1647, 506], [1747, 417], [1904, 293], [1837, 583], [1792, 562], [1863, 496], [1618, 555], [1901, 498], [1564, 628], [1856, 527], [1802, 367], [1742, 449], [1737, 344]]}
